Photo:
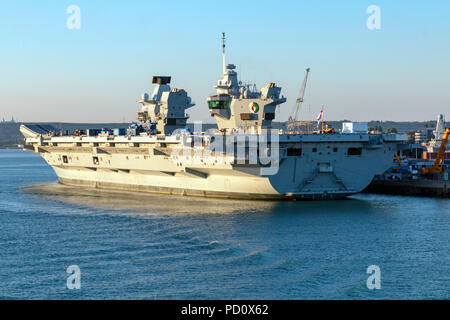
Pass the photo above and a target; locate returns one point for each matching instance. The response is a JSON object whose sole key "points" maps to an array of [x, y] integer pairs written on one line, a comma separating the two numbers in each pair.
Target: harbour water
{"points": [[144, 246]]}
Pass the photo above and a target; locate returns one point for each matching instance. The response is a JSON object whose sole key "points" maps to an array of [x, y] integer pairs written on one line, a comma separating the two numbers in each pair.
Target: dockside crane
{"points": [[438, 166], [298, 103]]}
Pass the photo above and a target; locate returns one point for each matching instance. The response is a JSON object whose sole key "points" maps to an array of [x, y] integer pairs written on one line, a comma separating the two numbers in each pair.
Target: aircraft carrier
{"points": [[243, 159]]}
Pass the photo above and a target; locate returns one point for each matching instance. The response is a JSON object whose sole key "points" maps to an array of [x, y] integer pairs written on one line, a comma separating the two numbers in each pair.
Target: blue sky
{"points": [[96, 74]]}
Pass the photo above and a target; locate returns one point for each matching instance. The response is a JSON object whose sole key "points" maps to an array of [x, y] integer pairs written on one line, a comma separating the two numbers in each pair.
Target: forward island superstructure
{"points": [[243, 159]]}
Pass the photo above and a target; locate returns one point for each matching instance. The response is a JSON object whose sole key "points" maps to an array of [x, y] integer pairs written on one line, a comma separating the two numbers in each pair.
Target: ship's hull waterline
{"points": [[197, 193], [106, 185]]}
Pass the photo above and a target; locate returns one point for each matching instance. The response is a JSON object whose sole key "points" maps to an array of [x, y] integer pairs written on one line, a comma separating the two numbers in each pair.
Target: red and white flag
{"points": [[320, 117]]}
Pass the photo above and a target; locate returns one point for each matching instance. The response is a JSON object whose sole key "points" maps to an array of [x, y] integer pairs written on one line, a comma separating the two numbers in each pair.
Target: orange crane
{"points": [[438, 166], [398, 159], [399, 162]]}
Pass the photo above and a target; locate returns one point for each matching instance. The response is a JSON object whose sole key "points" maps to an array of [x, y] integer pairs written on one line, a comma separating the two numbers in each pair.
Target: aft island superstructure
{"points": [[243, 159]]}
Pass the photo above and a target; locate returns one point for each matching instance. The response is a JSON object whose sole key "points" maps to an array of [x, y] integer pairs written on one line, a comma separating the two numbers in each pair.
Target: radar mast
{"points": [[224, 70]]}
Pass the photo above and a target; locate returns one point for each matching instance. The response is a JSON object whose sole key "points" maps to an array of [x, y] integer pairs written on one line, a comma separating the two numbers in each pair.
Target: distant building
{"points": [[420, 136], [354, 127]]}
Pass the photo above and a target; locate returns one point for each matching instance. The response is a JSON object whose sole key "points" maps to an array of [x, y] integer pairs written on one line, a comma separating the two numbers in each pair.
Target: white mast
{"points": [[223, 53]]}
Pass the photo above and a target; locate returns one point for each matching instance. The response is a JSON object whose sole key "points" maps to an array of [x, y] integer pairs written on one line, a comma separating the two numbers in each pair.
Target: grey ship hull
{"points": [[324, 170]]}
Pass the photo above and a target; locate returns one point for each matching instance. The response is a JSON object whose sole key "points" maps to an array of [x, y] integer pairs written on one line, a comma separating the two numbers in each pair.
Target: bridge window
{"points": [[217, 104], [354, 151]]}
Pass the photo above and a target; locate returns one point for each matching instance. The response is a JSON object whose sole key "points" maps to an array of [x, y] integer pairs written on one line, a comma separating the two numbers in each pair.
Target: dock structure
{"points": [[427, 188]]}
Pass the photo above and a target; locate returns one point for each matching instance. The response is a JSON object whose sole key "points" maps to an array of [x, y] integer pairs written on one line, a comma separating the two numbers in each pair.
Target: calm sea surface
{"points": [[141, 246]]}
